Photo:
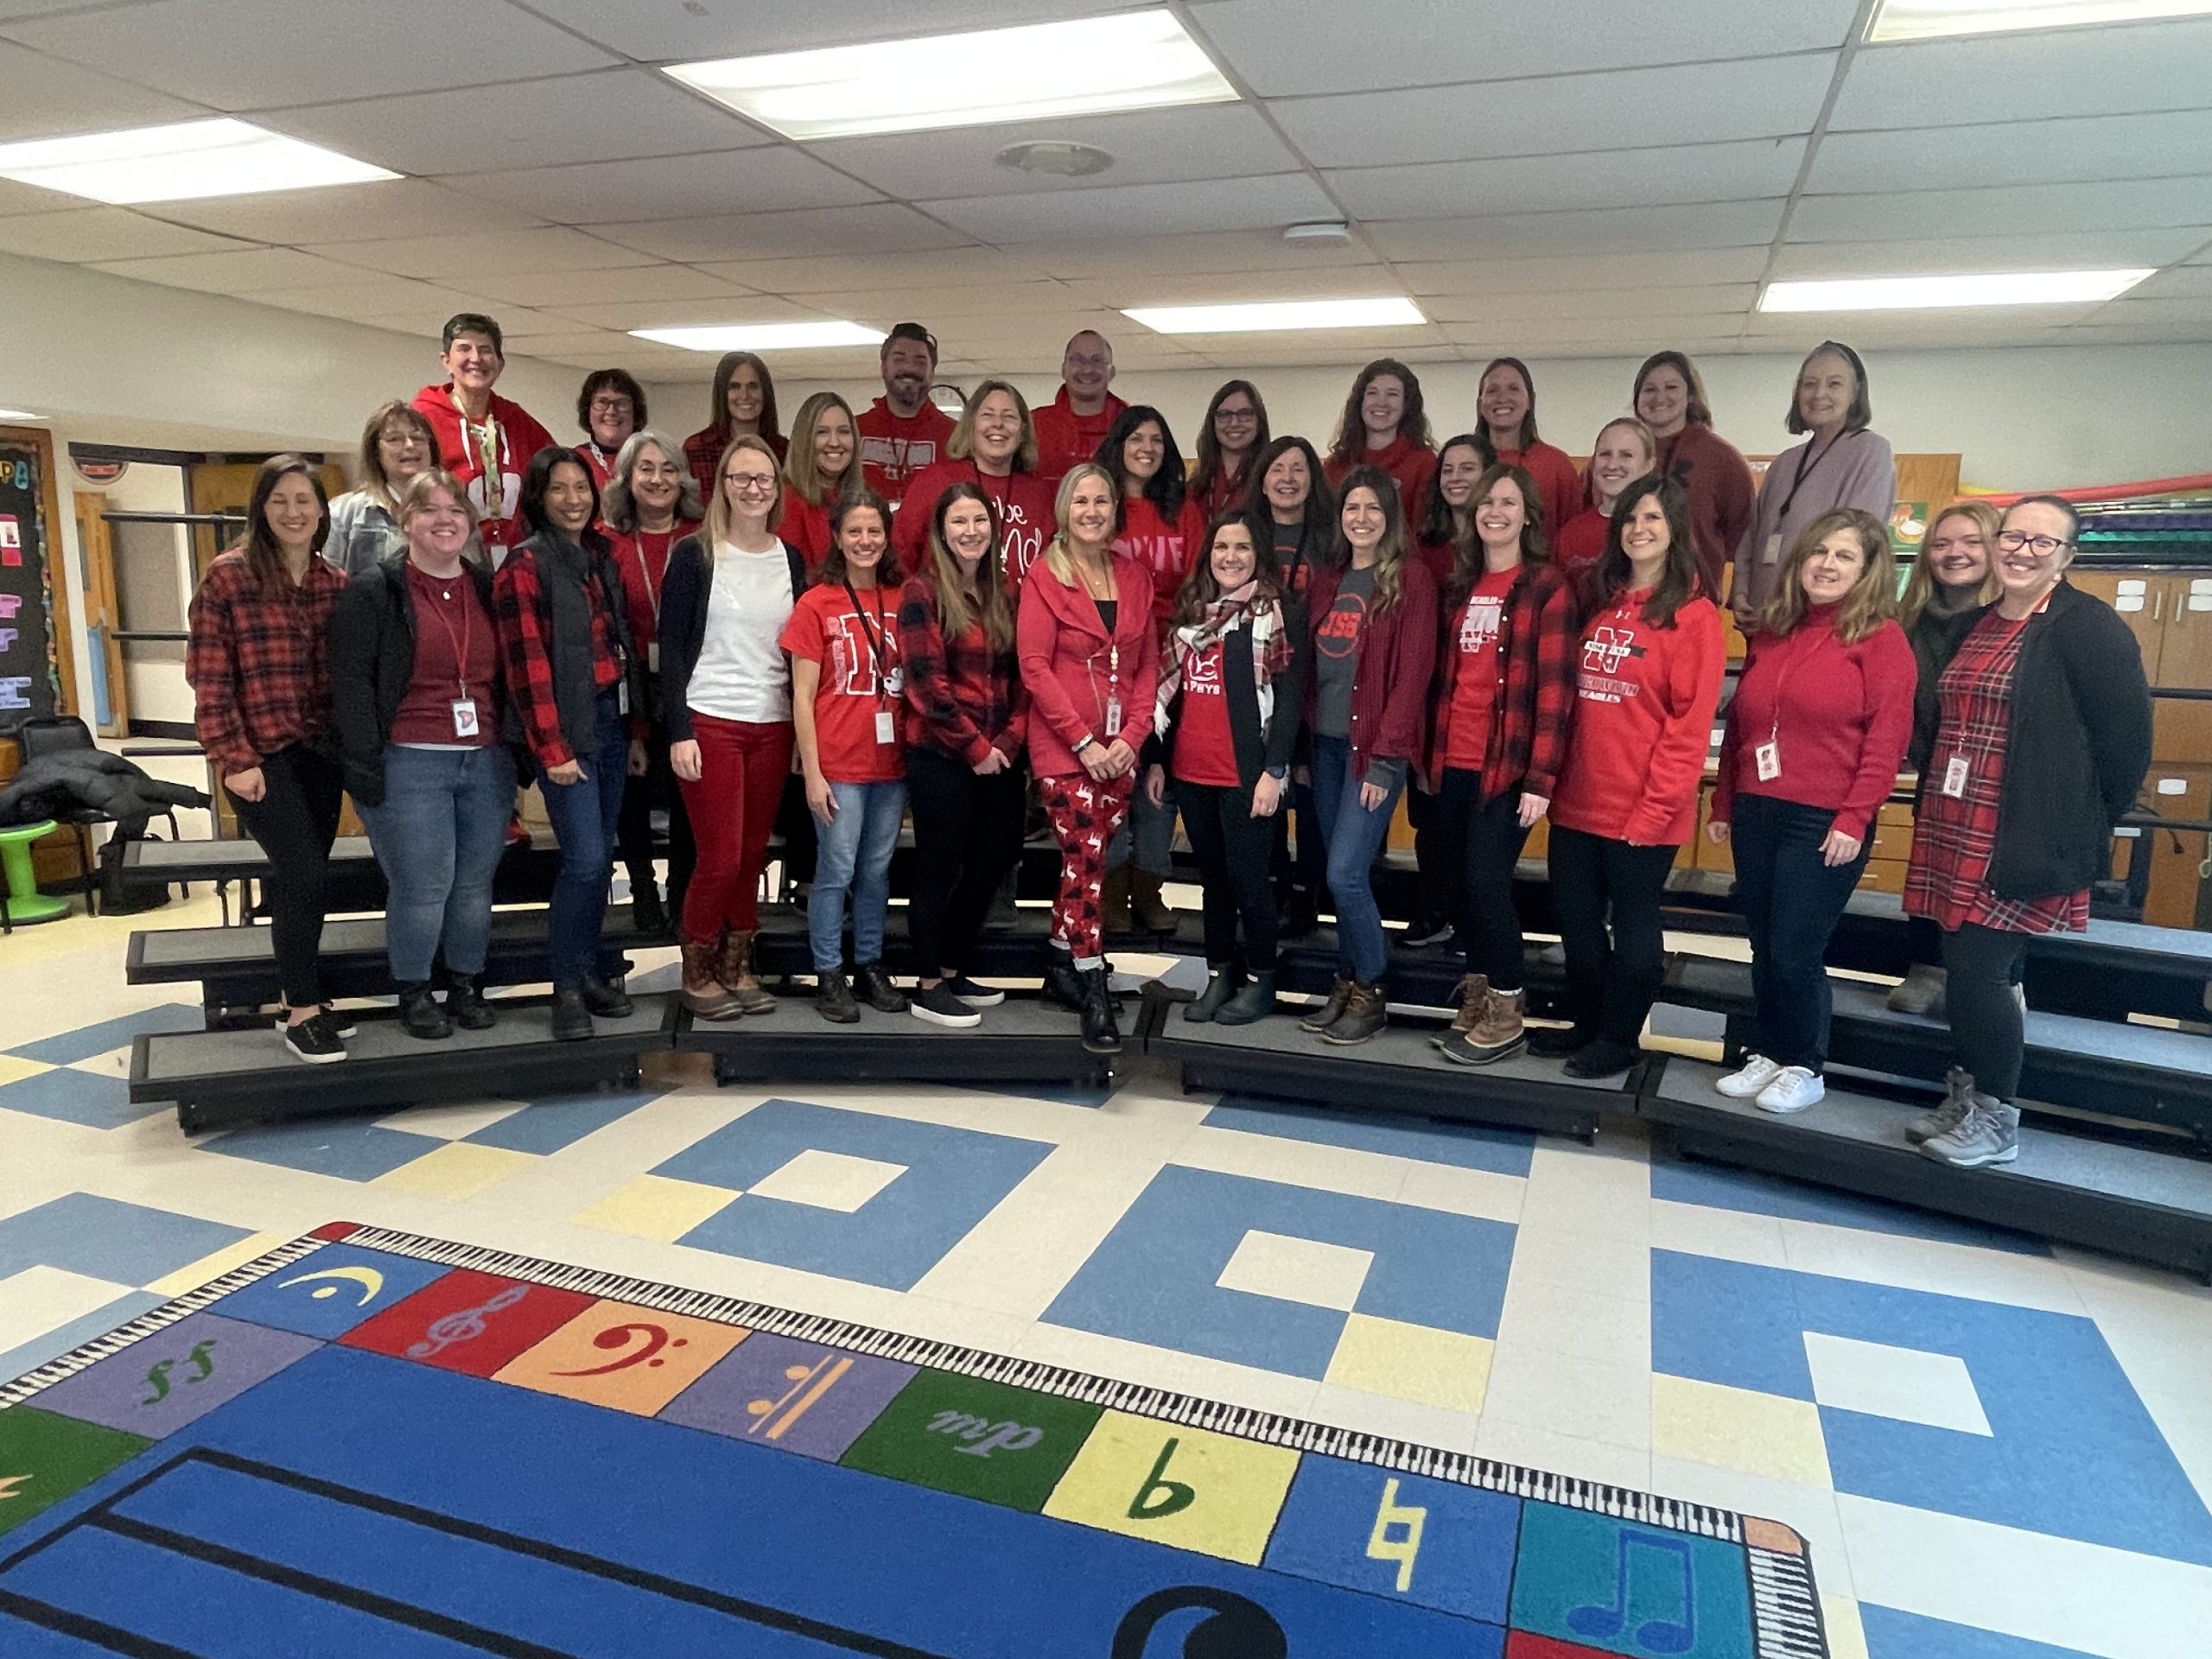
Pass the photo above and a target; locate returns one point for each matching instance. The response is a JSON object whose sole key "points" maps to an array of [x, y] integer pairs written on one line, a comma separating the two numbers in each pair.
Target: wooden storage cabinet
{"points": [[2170, 613]]}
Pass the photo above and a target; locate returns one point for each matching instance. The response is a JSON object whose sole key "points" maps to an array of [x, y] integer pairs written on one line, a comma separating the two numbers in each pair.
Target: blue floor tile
{"points": [[558, 1122], [104, 1238], [52, 1344], [351, 1149], [1893, 1634], [85, 1098], [1770, 1195], [69, 1046], [1430, 1141]]}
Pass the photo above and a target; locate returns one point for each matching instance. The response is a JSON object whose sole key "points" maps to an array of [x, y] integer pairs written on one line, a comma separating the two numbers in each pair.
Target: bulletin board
{"points": [[34, 615]]}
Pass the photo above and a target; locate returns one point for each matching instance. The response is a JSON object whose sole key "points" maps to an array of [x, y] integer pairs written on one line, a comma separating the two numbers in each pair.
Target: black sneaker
{"points": [[975, 996], [420, 1014], [874, 986], [341, 1022], [940, 1007], [833, 1000], [314, 1040], [1602, 1058], [606, 999]]}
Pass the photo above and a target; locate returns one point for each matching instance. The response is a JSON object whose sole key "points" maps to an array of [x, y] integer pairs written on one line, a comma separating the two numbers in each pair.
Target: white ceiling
{"points": [[1537, 174]]}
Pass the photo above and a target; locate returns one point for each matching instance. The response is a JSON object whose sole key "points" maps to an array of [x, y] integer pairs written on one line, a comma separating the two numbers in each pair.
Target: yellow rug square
{"points": [[654, 1206], [1738, 1428], [631, 1358], [1412, 1362], [1187, 1487], [457, 1170]]}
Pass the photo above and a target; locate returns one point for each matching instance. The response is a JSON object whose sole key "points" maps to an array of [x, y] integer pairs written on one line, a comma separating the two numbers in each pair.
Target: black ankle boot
{"points": [[571, 1018], [465, 1003], [1221, 985], [1063, 984], [646, 914], [1100, 1034], [605, 999], [419, 1013]]}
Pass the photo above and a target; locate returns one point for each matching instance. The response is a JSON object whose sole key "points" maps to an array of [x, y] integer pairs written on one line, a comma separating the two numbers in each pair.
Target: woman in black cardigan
{"points": [[2042, 740], [1232, 684]]}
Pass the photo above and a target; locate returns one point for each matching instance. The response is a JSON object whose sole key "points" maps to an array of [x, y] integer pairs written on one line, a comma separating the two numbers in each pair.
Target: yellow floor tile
{"points": [[1847, 1634], [196, 1274], [653, 1206], [1412, 1362], [457, 1170], [13, 1068], [1185, 1487], [1738, 1428]]}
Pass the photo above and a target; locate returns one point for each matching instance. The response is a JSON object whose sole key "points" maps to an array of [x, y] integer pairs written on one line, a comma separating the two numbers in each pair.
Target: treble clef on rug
{"points": [[465, 1324]]}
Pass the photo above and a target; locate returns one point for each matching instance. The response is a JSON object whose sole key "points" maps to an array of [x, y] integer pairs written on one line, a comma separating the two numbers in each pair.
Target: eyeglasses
{"points": [[610, 405], [751, 482], [2013, 540]]}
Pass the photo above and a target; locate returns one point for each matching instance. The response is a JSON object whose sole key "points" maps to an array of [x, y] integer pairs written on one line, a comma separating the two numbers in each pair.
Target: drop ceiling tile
{"points": [[1191, 253], [566, 287], [381, 296], [2001, 78], [2135, 333], [1138, 209], [29, 199], [1208, 141], [351, 213], [881, 230], [1634, 336], [2186, 310], [1681, 104], [86, 234], [42, 97], [2136, 204], [258, 55], [1631, 230], [725, 29], [1283, 47], [686, 313], [2057, 250], [938, 307], [1349, 344], [237, 273], [1172, 287], [452, 257], [669, 187], [2182, 280], [2162, 145], [605, 115], [1581, 271], [1730, 298], [1992, 325], [1605, 179], [944, 268]]}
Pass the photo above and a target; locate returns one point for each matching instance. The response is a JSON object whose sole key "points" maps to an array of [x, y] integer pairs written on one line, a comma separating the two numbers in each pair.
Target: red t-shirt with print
{"points": [[854, 636], [1204, 752], [1474, 689]]}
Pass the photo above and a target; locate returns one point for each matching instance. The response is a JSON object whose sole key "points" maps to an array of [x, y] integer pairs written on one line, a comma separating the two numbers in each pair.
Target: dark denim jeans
{"points": [[438, 835], [586, 818], [1791, 902], [1352, 834]]}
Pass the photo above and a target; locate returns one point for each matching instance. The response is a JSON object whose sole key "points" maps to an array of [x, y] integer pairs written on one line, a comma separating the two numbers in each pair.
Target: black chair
{"points": [[59, 734]]}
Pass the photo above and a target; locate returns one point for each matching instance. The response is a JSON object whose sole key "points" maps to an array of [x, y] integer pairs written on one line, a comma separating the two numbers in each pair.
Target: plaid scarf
{"points": [[1271, 648]]}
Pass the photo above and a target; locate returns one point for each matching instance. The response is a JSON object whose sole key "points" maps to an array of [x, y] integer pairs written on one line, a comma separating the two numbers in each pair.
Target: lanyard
{"points": [[1805, 471], [878, 637], [459, 640], [646, 567], [1782, 678], [487, 436]]}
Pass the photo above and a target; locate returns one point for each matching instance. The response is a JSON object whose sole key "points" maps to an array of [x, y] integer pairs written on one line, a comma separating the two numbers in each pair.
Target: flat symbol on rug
{"points": [[618, 1336], [370, 1281]]}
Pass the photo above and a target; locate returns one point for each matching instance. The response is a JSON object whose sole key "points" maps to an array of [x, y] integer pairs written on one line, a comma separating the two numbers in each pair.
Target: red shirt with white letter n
{"points": [[857, 648]]}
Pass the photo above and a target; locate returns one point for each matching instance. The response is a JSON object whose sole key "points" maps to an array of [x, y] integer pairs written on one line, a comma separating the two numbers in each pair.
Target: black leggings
{"points": [[633, 831], [296, 820], [1610, 983], [1436, 858], [1982, 967], [1479, 845], [967, 836], [1232, 848]]}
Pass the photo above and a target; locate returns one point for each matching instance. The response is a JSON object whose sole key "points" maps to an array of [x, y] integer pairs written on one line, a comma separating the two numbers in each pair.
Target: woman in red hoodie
{"points": [[1506, 399], [1090, 660], [817, 468], [1624, 451], [994, 448], [1648, 681], [1822, 719], [1669, 396], [1384, 425]]}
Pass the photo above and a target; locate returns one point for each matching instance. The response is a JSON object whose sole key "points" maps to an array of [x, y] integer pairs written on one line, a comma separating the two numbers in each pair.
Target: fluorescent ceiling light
{"points": [[1137, 60], [1923, 19], [1274, 316], [19, 415], [763, 336], [180, 162], [1938, 293]]}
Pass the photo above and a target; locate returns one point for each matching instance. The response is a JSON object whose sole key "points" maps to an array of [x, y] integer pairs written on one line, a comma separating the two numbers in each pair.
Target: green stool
{"points": [[24, 902]]}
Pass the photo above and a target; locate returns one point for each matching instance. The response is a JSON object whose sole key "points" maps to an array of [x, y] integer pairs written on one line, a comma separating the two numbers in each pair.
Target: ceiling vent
{"points": [[1056, 157]]}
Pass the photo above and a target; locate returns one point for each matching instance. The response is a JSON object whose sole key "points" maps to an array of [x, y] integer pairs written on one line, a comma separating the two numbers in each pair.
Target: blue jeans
{"points": [[1791, 902], [586, 818], [854, 850], [1352, 835], [438, 835]]}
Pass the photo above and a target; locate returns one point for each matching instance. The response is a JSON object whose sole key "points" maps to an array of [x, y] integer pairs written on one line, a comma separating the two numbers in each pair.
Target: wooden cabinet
{"points": [[2170, 613], [2177, 856]]}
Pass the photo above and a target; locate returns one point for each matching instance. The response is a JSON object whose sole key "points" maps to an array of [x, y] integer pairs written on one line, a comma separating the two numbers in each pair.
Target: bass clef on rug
{"points": [[1234, 1627]]}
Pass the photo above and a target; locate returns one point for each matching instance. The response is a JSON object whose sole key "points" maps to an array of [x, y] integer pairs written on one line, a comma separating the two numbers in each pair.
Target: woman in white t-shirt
{"points": [[727, 683]]}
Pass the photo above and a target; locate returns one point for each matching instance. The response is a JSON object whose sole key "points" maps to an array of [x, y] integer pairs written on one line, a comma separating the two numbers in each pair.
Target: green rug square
{"points": [[44, 1457], [979, 1439]]}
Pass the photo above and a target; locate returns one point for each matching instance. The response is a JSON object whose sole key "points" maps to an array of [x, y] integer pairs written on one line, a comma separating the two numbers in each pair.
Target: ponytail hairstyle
{"points": [[1679, 581], [1528, 384], [859, 499], [1390, 551], [1058, 556], [537, 477], [993, 607]]}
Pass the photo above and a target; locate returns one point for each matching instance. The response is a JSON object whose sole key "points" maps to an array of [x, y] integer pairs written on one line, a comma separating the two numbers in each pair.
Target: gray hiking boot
{"points": [[1990, 1134], [1957, 1086]]}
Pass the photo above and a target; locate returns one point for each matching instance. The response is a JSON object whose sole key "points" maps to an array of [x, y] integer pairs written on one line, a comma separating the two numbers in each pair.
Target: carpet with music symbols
{"points": [[370, 1443]]}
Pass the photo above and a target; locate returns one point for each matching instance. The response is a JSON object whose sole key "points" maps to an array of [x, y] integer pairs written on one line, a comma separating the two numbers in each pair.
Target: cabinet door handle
{"points": [[2157, 602]]}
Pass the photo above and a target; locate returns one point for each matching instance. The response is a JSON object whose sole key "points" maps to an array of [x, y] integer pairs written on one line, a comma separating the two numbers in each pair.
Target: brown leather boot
{"points": [[1469, 993], [735, 972], [1149, 905], [704, 993], [1364, 1016], [1502, 1031], [1114, 912], [1331, 1011]]}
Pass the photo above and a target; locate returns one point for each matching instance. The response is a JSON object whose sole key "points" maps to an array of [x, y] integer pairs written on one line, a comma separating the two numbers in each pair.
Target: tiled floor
{"points": [[1999, 1450]]}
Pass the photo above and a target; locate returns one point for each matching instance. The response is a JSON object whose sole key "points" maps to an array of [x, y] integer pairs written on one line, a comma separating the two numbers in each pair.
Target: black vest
{"points": [[572, 578]]}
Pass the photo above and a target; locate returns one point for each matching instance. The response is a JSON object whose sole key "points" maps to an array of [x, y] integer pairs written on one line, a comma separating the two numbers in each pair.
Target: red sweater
{"points": [[642, 559], [1025, 504], [1227, 489], [1438, 555], [1559, 486], [1577, 543], [894, 447], [1644, 704], [1397, 659], [806, 527], [1840, 716], [1065, 438], [1167, 551], [1718, 480], [1412, 464], [498, 511], [1068, 665]]}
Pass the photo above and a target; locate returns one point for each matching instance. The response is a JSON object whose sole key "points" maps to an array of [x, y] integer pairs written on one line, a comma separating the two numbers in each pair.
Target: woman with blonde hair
{"points": [[993, 447], [1818, 724], [397, 445], [818, 470]]}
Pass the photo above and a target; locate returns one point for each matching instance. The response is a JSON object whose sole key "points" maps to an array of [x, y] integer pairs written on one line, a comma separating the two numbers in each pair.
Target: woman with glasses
{"points": [[610, 407], [1236, 430], [2043, 740], [397, 445]]}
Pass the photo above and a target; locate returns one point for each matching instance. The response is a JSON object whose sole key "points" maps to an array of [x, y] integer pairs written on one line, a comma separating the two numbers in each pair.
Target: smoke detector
{"points": [[1057, 157]]}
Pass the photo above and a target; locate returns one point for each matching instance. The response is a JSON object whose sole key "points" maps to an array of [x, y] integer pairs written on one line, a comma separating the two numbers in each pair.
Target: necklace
{"points": [[1099, 587]]}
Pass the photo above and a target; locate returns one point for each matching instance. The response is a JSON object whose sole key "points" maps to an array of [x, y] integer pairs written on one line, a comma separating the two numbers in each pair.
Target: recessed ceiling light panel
{"points": [[1923, 19], [1942, 293], [764, 336], [187, 161], [19, 415], [1133, 61], [1270, 316]]}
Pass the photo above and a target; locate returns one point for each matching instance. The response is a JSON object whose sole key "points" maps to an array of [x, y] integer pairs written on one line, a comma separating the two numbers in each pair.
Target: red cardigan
{"points": [[1397, 659], [1066, 665], [1536, 635], [1559, 486]]}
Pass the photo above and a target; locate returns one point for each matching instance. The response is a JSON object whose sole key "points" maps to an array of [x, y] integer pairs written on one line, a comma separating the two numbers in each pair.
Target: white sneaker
{"points": [[1793, 1089], [1756, 1072]]}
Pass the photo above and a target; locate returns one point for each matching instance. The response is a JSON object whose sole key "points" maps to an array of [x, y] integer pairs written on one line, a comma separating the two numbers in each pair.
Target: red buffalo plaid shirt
{"points": [[1536, 637], [519, 605], [963, 698], [258, 663]]}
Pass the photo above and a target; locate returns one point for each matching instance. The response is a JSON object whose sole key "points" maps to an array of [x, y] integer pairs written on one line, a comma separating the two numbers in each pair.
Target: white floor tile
{"points": [[1810, 1509], [1544, 1314], [1906, 1384], [1729, 1235], [1541, 1390], [453, 1123], [1301, 1270], [1295, 1163], [828, 1180], [1924, 1264], [40, 1300]]}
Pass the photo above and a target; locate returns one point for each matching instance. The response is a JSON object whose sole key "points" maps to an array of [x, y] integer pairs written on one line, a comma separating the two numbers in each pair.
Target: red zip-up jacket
{"points": [[1065, 438], [1024, 502], [1643, 726], [1412, 464], [1559, 486], [1069, 666], [499, 506], [1536, 635], [1397, 659]]}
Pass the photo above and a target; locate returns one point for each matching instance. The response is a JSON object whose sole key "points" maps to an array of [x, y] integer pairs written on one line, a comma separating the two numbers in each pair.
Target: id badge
{"points": [[1113, 718], [652, 657], [1954, 778], [1768, 759], [885, 732], [464, 717], [1773, 554], [622, 695]]}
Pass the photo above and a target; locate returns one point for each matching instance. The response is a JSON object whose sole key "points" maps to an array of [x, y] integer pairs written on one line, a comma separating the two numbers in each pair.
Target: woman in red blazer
{"points": [[1090, 660]]}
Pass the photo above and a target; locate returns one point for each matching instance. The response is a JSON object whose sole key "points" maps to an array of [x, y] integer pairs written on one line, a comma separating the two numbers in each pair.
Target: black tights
{"points": [[1982, 969]]}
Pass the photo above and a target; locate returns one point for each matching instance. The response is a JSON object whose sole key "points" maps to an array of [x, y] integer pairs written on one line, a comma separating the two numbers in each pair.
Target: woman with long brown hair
{"points": [[742, 403], [819, 467], [1385, 425], [1234, 431], [1668, 397], [1506, 399]]}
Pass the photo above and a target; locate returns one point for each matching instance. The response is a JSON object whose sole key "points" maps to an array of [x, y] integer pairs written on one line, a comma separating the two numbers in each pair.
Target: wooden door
{"points": [[2184, 792], [2183, 731], [227, 487], [102, 614]]}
